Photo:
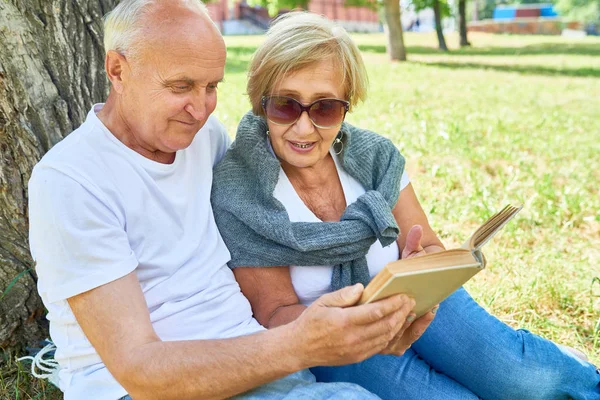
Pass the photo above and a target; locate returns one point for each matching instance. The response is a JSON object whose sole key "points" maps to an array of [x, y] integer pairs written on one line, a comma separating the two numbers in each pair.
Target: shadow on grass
{"points": [[521, 69], [582, 49]]}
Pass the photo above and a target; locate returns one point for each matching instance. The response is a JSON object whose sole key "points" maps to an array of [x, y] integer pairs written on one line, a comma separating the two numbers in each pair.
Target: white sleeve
{"points": [[77, 241], [404, 181]]}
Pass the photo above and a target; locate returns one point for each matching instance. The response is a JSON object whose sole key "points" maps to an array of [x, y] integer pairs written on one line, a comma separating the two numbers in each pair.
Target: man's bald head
{"points": [[132, 23]]}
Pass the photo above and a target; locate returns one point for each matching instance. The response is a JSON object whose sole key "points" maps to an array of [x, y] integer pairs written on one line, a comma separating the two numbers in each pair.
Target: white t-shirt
{"points": [[311, 282], [99, 210]]}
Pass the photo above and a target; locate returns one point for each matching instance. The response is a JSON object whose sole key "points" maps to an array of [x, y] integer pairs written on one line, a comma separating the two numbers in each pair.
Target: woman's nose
{"points": [[304, 125]]}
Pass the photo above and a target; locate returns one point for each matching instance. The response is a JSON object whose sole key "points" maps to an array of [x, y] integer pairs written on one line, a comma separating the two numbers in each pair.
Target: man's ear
{"points": [[117, 69]]}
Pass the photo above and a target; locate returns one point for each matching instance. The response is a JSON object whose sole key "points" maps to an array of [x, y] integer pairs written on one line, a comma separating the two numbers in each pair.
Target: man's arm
{"points": [[115, 319]]}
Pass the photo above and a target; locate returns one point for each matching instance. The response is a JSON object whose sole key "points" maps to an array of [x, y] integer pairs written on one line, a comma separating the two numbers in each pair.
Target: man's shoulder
{"points": [[76, 157], [73, 146]]}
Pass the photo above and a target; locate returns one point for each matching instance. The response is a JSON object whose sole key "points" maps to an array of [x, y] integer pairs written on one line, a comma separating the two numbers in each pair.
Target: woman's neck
{"points": [[314, 177]]}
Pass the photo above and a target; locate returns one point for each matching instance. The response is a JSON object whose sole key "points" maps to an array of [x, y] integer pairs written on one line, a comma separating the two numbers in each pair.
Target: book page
{"points": [[491, 227]]}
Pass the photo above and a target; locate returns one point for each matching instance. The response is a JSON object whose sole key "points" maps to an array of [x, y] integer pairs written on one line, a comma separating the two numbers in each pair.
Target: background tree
{"points": [[440, 9], [437, 13], [486, 8], [391, 9], [51, 72], [586, 11], [462, 22]]}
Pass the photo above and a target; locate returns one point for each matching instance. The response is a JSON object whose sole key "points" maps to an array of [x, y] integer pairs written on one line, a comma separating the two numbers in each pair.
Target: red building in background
{"points": [[351, 18]]}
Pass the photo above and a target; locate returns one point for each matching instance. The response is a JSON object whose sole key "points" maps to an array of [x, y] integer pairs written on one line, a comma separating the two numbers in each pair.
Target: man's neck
{"points": [[112, 117]]}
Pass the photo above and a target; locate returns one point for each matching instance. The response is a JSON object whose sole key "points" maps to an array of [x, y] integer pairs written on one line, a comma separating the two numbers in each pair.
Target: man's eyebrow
{"points": [[187, 80], [184, 79]]}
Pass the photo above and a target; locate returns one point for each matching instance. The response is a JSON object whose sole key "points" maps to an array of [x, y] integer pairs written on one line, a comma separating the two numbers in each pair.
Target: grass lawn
{"points": [[511, 119]]}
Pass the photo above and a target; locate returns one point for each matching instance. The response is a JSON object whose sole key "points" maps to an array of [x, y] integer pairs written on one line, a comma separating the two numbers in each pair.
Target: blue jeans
{"points": [[303, 385], [467, 353]]}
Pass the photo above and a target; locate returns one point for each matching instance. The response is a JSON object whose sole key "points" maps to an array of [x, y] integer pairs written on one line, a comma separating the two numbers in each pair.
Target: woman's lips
{"points": [[302, 147]]}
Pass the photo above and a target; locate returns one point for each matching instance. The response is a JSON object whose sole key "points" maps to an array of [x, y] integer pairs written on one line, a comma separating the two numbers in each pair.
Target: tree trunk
{"points": [[395, 36], [51, 72], [462, 22], [438, 25]]}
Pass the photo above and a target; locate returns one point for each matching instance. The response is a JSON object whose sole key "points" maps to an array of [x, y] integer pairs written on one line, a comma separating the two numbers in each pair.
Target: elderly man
{"points": [[131, 265]]}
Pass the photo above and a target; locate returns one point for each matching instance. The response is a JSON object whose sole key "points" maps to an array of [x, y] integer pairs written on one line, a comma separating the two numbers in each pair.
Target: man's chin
{"points": [[182, 138], [173, 147]]}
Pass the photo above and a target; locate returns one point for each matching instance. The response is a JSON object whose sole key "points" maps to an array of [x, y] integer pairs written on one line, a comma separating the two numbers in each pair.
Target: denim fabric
{"points": [[302, 385], [256, 227], [467, 353]]}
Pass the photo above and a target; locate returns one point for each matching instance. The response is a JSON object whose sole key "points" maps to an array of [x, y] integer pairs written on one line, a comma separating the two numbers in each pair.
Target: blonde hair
{"points": [[297, 40], [124, 23]]}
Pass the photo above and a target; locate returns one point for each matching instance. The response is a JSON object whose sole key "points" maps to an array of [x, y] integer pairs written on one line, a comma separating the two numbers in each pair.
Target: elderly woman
{"points": [[308, 204]]}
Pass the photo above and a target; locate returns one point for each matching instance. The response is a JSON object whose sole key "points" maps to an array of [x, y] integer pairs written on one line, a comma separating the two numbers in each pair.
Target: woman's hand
{"points": [[413, 247], [411, 330]]}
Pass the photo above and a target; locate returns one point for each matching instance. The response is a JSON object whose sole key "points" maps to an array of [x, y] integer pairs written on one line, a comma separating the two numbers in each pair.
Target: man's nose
{"points": [[304, 125], [196, 107]]}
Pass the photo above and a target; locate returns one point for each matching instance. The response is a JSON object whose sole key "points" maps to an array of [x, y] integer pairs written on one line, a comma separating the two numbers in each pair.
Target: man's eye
{"points": [[180, 88], [213, 86]]}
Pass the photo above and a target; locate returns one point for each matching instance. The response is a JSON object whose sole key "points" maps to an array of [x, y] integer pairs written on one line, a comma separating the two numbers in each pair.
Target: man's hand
{"points": [[410, 332], [332, 332]]}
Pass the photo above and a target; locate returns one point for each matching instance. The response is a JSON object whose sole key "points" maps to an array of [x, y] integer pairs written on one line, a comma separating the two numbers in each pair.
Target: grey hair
{"points": [[124, 23]]}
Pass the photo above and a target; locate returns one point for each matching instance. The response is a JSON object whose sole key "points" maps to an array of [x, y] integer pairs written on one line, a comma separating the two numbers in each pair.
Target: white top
{"points": [[99, 210], [310, 282]]}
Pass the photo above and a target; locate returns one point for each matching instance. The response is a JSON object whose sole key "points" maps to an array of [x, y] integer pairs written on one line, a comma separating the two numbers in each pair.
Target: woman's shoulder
{"points": [[364, 140]]}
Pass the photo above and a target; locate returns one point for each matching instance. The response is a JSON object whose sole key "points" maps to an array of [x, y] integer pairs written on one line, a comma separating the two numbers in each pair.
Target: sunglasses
{"points": [[324, 113]]}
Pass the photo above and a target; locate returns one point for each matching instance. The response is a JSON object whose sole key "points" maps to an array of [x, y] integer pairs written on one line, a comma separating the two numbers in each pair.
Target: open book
{"points": [[431, 278]]}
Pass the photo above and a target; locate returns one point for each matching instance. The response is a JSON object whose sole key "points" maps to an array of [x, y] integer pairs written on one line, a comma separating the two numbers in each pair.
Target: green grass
{"points": [[511, 119], [16, 382]]}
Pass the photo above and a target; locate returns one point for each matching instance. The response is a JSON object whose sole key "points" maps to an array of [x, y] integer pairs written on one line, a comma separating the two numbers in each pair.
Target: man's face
{"points": [[170, 87]]}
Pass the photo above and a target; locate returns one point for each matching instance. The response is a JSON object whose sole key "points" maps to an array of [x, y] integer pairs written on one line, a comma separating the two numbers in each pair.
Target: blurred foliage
{"points": [[587, 11], [273, 6], [424, 4]]}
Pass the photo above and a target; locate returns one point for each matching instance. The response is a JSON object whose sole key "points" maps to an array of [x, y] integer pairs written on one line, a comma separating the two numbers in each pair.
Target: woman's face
{"points": [[302, 144]]}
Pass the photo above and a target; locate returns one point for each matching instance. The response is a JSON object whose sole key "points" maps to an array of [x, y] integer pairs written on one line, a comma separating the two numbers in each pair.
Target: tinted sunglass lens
{"points": [[327, 113], [282, 110]]}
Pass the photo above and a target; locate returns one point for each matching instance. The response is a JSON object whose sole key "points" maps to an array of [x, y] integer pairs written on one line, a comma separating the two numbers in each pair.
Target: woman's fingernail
{"points": [[411, 318], [434, 309]]}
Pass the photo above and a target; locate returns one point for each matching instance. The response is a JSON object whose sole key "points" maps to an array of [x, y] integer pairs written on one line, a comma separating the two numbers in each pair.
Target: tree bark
{"points": [[395, 36], [438, 25], [51, 72], [462, 22]]}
